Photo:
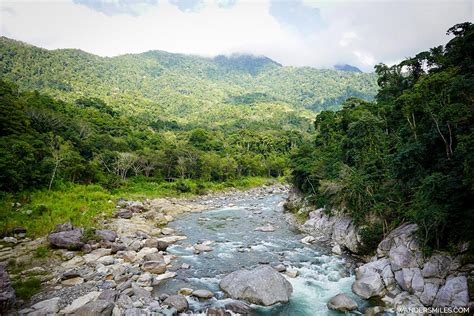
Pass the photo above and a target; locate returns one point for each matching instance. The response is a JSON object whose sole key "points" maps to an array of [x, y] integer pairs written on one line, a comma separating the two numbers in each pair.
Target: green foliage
{"points": [[26, 288], [166, 89], [41, 252], [40, 211], [89, 234], [405, 157], [371, 236]]}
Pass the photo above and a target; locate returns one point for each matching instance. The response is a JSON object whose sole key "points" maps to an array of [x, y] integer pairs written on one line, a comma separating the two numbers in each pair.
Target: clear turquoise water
{"points": [[321, 274]]}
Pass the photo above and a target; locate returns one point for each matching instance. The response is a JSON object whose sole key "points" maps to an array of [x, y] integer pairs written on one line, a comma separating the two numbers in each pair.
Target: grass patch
{"points": [[26, 288], [138, 188], [40, 211], [87, 205], [41, 252]]}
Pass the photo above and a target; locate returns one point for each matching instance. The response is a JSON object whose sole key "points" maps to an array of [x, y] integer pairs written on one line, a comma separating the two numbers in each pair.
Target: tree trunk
{"points": [[54, 174]]}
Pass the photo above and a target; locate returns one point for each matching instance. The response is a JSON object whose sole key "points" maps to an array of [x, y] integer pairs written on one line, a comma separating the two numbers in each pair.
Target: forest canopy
{"points": [[406, 156]]}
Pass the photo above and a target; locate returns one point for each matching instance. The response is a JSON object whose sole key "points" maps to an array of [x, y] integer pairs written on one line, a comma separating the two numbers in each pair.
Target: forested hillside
{"points": [[409, 155], [234, 91]]}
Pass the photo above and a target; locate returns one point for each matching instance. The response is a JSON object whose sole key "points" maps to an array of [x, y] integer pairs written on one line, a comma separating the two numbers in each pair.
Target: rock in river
{"points": [[204, 294], [261, 286], [343, 303]]}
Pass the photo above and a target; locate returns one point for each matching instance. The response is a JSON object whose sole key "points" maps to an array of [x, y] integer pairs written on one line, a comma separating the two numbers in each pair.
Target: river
{"points": [[236, 244]]}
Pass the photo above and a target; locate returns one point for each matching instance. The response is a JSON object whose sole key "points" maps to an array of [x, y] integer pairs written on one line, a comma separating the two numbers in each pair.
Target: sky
{"points": [[316, 33]]}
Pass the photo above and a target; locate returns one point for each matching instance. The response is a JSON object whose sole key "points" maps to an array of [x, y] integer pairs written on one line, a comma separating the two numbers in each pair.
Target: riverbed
{"points": [[230, 227]]}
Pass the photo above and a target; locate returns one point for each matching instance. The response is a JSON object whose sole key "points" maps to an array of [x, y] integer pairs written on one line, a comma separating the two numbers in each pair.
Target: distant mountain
{"points": [[248, 63], [346, 67], [225, 90]]}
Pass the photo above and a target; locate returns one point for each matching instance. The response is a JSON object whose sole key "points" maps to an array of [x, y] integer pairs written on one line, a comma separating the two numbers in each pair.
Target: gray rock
{"points": [[7, 293], [261, 286], [369, 285], [70, 239], [80, 301], [125, 285], [345, 233], [86, 248], [124, 213], [402, 235], [405, 300], [454, 293], [429, 294], [124, 301], [155, 267], [106, 260], [202, 293], [411, 280], [12, 240], [108, 295], [162, 245], [106, 234], [401, 257], [436, 267], [140, 292], [343, 303], [96, 308], [63, 227], [151, 243], [47, 307], [179, 302], [136, 245], [382, 268], [134, 312], [239, 307]]}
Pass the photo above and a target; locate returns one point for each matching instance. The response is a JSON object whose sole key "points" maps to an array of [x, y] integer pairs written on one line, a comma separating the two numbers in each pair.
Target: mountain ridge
{"points": [[182, 87]]}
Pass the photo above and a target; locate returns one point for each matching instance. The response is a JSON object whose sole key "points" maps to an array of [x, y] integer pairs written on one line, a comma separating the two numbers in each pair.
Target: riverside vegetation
{"points": [[79, 132]]}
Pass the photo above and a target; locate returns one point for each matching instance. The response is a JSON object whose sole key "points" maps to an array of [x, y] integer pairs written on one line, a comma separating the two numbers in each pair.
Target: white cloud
{"points": [[347, 38], [361, 33]]}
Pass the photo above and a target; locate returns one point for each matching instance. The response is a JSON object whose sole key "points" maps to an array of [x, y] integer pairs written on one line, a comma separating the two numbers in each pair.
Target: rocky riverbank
{"points": [[114, 270], [399, 274]]}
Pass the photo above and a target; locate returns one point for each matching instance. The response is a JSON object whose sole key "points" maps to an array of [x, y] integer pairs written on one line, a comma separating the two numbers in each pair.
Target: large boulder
{"points": [[402, 235], [406, 301], [345, 233], [429, 293], [368, 285], [343, 303], [261, 286], [411, 280], [437, 266], [381, 267], [402, 257], [106, 234], [453, 294], [7, 293], [70, 239]]}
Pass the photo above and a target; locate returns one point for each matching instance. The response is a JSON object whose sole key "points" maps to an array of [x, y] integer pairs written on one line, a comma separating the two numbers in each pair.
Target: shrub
{"points": [[26, 288], [182, 187], [371, 236]]}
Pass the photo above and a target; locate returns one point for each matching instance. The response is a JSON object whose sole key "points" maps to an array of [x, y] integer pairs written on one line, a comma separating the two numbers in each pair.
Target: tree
{"points": [[60, 150]]}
